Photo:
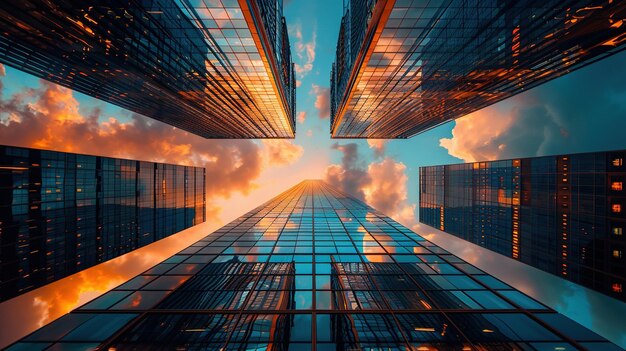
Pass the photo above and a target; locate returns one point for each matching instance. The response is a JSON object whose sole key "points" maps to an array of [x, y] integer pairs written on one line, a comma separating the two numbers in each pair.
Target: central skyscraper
{"points": [[314, 269], [215, 68], [405, 66]]}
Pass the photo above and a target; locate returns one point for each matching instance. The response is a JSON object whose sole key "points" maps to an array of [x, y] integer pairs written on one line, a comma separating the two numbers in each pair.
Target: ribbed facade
{"points": [[218, 69], [562, 214], [61, 213], [403, 66]]}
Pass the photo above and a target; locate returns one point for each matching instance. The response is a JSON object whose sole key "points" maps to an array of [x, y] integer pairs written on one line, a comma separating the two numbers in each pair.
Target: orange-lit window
{"points": [[617, 287], [617, 231], [617, 186], [617, 208], [617, 253], [617, 161]]}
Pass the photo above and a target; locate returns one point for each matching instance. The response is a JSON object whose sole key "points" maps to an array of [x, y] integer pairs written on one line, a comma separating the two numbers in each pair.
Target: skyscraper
{"points": [[403, 66], [61, 213], [314, 269], [218, 69], [562, 214]]}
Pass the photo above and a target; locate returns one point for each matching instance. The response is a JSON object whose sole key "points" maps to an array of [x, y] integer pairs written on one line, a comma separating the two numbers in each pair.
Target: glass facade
{"points": [[314, 269], [405, 66], [218, 69], [561, 214], [61, 213]]}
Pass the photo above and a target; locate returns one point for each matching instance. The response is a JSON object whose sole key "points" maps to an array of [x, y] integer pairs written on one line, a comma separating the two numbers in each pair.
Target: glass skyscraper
{"points": [[218, 69], [314, 269], [61, 213], [562, 214], [403, 66]]}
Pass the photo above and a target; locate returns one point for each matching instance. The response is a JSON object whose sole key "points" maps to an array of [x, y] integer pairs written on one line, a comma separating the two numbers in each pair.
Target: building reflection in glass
{"points": [[302, 281], [61, 213], [561, 214], [403, 67], [218, 69]]}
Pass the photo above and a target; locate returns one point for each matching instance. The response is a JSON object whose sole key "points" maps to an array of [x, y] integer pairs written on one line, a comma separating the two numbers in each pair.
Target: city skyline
{"points": [[579, 112]]}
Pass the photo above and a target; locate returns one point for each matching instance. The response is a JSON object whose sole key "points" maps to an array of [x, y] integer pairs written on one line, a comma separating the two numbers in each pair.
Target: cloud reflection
{"points": [[41, 306]]}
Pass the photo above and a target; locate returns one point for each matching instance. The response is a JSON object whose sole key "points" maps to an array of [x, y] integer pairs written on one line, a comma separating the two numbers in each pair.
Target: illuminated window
{"points": [[617, 231], [616, 186], [617, 161], [616, 208], [617, 287], [617, 253]]}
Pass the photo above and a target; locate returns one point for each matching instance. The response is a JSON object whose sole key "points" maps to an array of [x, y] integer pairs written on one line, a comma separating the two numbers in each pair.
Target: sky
{"points": [[581, 112]]}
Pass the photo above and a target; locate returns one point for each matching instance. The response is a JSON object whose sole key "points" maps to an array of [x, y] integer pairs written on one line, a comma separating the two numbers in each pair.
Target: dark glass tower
{"points": [[561, 214], [218, 69], [403, 67], [314, 269], [61, 213]]}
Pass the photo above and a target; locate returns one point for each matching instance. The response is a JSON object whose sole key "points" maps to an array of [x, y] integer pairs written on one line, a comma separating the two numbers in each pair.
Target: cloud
{"points": [[301, 117], [383, 185], [575, 113], [3, 71], [322, 100], [281, 152], [305, 51], [351, 175], [48, 117], [387, 191], [378, 145]]}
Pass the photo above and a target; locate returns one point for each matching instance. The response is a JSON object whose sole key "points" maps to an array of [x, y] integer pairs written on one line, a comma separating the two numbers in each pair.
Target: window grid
{"points": [[362, 281]]}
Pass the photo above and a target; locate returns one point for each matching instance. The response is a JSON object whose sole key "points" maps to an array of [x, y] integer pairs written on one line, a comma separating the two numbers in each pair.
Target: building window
{"points": [[616, 208], [617, 162], [617, 186], [617, 287], [617, 231], [617, 253]]}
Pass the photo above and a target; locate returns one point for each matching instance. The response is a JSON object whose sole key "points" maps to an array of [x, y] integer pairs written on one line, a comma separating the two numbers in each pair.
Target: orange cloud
{"points": [[387, 190], [48, 117], [475, 136], [554, 118], [3, 71], [280, 152], [301, 116], [322, 100], [305, 51], [383, 185], [378, 145], [350, 175]]}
